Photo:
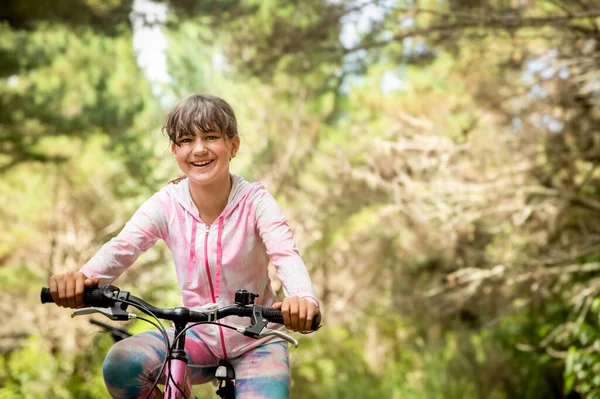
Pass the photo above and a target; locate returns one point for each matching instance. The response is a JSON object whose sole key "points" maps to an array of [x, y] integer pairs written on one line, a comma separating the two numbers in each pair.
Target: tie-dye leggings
{"points": [[131, 366]]}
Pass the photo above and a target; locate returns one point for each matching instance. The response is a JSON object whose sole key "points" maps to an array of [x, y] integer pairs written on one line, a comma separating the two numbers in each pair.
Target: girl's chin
{"points": [[206, 178]]}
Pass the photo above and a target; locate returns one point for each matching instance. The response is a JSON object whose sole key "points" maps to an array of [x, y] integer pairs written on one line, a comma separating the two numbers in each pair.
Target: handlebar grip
{"points": [[316, 323], [91, 297], [45, 296], [275, 316]]}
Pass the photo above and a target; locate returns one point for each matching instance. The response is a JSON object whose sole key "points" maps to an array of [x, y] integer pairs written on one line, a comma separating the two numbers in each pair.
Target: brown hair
{"points": [[200, 111]]}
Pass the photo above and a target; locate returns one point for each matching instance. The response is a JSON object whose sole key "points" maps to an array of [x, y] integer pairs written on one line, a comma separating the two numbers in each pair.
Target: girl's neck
{"points": [[211, 200]]}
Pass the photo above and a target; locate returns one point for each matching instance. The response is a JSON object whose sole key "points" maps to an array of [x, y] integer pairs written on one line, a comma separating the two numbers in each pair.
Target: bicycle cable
{"points": [[163, 331]]}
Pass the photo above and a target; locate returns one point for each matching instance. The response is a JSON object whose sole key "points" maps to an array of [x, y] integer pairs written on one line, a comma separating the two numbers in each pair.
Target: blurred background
{"points": [[437, 160]]}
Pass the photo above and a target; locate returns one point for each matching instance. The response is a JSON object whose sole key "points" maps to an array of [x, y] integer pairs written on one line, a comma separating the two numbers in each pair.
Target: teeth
{"points": [[201, 163]]}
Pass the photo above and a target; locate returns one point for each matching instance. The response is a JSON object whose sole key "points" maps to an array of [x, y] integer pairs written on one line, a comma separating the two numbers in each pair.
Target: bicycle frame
{"points": [[179, 379], [175, 373]]}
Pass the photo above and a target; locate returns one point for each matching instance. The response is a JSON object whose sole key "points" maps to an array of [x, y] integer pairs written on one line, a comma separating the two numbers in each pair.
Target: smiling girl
{"points": [[222, 232]]}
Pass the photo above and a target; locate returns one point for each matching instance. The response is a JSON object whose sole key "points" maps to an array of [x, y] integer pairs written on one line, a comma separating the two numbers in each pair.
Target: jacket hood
{"points": [[240, 188]]}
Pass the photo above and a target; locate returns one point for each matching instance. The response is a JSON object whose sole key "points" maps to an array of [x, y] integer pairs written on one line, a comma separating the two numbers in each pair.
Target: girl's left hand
{"points": [[298, 313]]}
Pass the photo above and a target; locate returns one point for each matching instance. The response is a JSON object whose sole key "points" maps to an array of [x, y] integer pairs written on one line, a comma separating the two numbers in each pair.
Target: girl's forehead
{"points": [[194, 130]]}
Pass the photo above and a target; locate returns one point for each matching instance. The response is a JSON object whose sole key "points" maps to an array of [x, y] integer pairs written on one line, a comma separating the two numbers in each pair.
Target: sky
{"points": [[149, 42]]}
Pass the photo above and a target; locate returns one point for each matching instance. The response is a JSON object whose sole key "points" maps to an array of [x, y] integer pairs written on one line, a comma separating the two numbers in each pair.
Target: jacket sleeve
{"points": [[141, 232], [276, 234]]}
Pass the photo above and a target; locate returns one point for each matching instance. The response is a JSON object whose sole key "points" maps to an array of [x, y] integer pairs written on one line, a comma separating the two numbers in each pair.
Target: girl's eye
{"points": [[212, 137], [185, 141]]}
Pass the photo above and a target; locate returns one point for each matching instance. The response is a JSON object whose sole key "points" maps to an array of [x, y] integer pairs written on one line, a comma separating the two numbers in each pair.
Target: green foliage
{"points": [[583, 360], [334, 365], [581, 373], [67, 84], [35, 372]]}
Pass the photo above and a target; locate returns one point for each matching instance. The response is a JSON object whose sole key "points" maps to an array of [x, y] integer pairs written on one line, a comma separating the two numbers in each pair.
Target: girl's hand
{"points": [[298, 313], [67, 288]]}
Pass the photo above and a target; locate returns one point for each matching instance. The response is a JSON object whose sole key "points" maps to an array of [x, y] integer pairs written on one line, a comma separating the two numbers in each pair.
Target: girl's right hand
{"points": [[67, 288]]}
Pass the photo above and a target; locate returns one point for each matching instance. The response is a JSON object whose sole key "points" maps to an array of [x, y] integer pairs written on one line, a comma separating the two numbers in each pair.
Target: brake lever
{"points": [[266, 332], [113, 313], [259, 322], [259, 327]]}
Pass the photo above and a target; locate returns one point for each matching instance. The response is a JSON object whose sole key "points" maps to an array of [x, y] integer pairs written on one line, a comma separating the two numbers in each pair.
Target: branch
{"points": [[543, 272], [30, 157], [474, 275], [493, 22], [573, 198], [558, 261]]}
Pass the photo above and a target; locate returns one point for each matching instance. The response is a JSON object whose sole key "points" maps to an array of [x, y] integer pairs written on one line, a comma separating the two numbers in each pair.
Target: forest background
{"points": [[437, 160]]}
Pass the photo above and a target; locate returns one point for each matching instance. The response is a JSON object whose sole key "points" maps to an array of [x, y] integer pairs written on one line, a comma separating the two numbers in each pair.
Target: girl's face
{"points": [[204, 158]]}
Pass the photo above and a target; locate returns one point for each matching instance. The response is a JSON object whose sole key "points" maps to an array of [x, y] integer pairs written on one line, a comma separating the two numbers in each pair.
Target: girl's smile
{"points": [[202, 164]]}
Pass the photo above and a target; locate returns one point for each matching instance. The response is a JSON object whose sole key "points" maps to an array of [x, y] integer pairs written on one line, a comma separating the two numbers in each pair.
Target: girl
{"points": [[222, 232]]}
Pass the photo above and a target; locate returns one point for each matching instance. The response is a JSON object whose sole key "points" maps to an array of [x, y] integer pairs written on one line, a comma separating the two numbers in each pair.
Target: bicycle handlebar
{"points": [[109, 295], [112, 302]]}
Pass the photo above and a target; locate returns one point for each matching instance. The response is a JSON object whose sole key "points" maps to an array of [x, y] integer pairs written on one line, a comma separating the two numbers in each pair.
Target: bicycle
{"points": [[111, 302]]}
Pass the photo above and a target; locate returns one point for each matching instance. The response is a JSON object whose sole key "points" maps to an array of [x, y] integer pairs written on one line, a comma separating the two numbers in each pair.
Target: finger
{"points": [[310, 315], [277, 305], [70, 291], [79, 287], [92, 282], [61, 287], [53, 284], [285, 312], [294, 312], [302, 312]]}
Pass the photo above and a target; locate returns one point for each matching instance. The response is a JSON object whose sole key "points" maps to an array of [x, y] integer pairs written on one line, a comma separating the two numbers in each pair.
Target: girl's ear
{"points": [[235, 142], [172, 145]]}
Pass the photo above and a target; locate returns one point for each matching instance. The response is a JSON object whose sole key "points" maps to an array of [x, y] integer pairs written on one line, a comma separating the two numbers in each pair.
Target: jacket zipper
{"points": [[210, 284]]}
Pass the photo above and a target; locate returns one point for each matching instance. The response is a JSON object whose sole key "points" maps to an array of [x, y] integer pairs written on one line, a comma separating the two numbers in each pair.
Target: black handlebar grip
{"points": [[91, 297], [45, 296], [275, 316], [316, 323]]}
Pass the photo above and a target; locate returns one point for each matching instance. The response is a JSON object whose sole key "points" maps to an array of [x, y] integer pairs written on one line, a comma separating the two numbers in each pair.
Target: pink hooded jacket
{"points": [[213, 262]]}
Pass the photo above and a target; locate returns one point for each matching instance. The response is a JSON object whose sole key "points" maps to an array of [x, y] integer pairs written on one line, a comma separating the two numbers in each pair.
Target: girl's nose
{"points": [[199, 145]]}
